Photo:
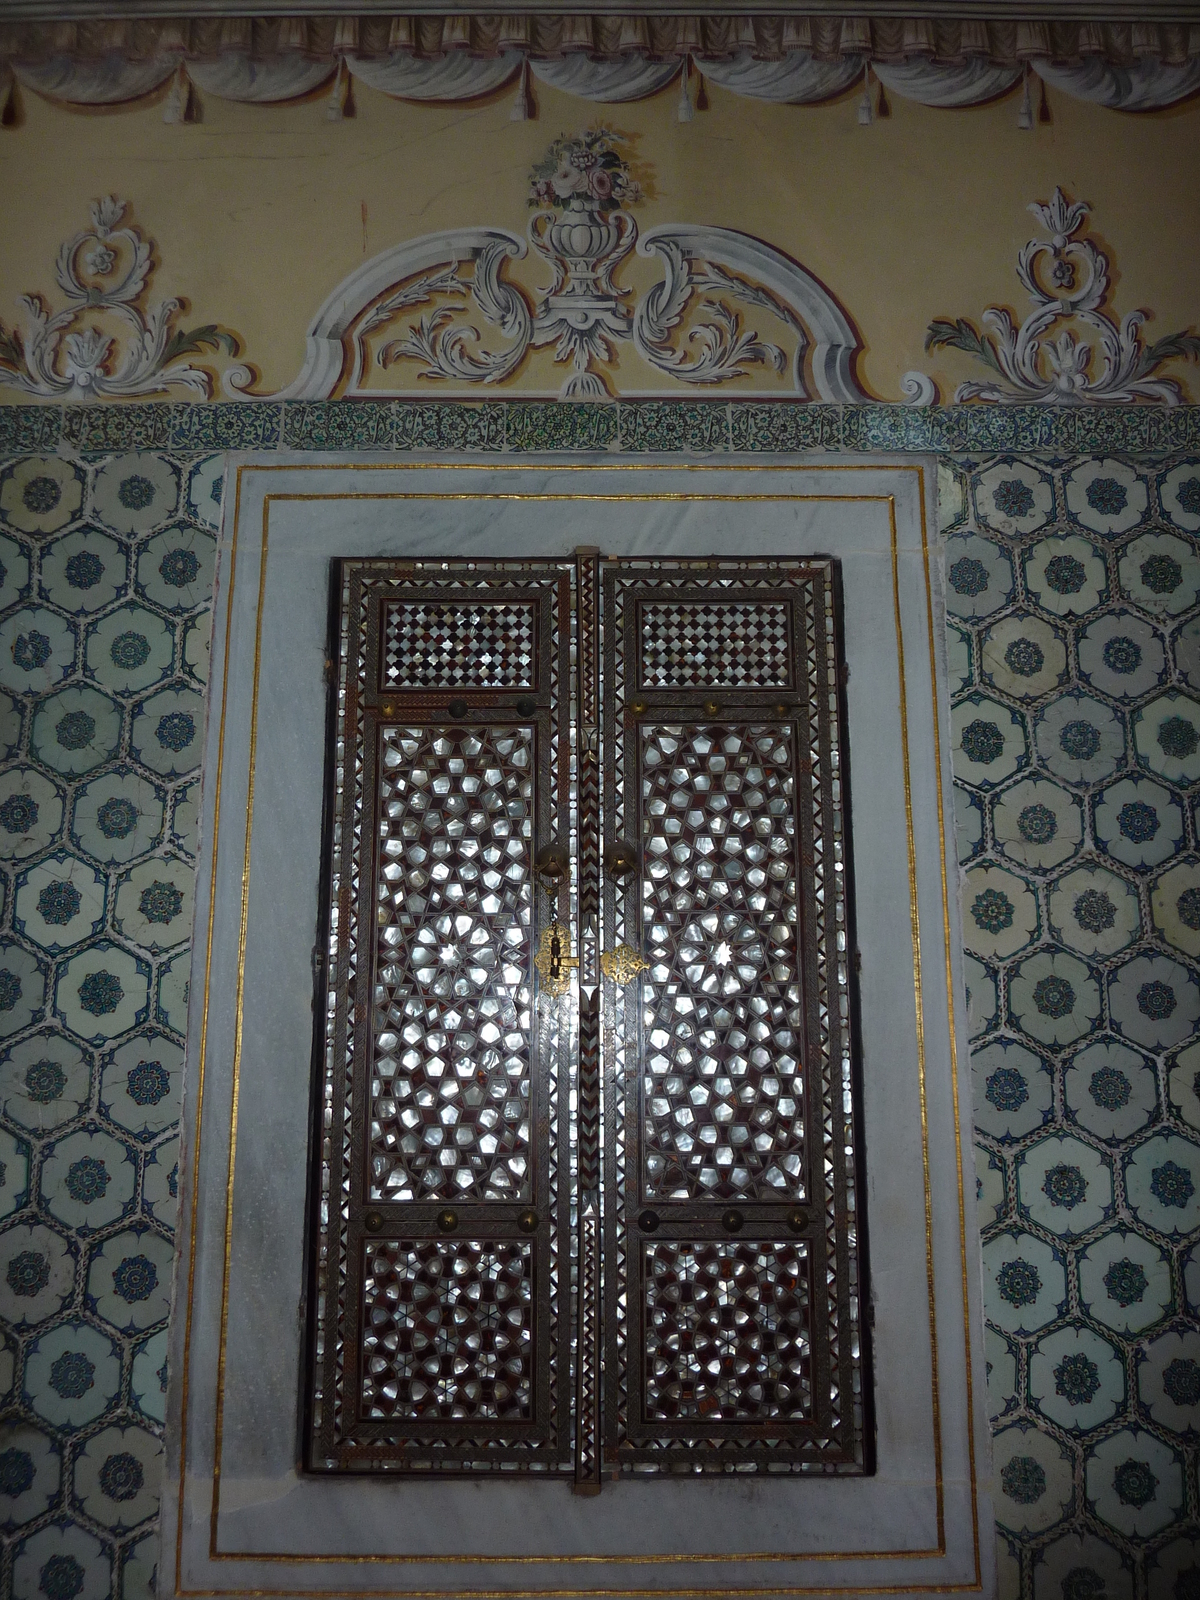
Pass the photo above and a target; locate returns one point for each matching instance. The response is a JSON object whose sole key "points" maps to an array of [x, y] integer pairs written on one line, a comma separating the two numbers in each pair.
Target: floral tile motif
{"points": [[575, 426], [652, 426], [104, 621], [1080, 606]]}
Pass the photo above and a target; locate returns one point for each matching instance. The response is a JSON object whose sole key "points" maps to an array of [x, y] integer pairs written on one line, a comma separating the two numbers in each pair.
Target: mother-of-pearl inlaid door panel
{"points": [[585, 1172]]}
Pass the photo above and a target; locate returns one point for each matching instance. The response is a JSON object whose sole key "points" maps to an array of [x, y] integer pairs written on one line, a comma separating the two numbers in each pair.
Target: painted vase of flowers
{"points": [[584, 178]]}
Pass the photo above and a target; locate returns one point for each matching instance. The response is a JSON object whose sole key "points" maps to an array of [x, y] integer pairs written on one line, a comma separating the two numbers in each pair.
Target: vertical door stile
{"points": [[587, 757]]}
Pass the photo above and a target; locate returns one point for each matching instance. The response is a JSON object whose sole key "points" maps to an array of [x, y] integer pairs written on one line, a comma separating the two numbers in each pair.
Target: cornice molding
{"points": [[984, 10]]}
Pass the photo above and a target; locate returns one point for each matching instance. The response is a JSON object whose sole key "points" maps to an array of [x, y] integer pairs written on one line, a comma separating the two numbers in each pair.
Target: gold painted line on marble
{"points": [[239, 1015], [585, 1594], [523, 466], [214, 1553], [200, 1073], [939, 1549], [946, 940], [919, 1003]]}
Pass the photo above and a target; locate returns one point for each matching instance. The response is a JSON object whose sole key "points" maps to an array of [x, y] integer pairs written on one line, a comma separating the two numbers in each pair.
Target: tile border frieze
{"points": [[671, 427]]}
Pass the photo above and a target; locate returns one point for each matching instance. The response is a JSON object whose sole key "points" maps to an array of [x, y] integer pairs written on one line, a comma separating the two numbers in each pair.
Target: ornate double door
{"points": [[585, 1159]]}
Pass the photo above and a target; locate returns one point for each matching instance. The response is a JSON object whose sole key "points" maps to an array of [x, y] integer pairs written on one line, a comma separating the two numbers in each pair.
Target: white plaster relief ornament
{"points": [[1067, 280], [105, 343], [687, 326]]}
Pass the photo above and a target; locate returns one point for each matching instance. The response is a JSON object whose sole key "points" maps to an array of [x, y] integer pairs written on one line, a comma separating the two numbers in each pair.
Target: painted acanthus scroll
{"points": [[105, 342], [1067, 279], [463, 320]]}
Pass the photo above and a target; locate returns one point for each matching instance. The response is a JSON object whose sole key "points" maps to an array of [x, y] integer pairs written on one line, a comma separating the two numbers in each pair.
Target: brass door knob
{"points": [[620, 858], [552, 864]]}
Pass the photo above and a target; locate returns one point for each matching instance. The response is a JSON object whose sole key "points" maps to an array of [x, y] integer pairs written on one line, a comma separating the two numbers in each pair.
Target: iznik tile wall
{"points": [[105, 581], [1075, 654]]}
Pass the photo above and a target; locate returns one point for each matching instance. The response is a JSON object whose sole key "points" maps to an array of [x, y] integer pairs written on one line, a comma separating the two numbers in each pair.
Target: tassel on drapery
{"points": [[523, 108], [179, 105], [686, 109]]}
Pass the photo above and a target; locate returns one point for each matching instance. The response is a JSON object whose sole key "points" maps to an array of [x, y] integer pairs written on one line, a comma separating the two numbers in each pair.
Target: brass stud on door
{"points": [[796, 1220], [648, 1221], [457, 709], [526, 706], [732, 1221], [447, 1220], [711, 708], [373, 1221], [527, 1221]]}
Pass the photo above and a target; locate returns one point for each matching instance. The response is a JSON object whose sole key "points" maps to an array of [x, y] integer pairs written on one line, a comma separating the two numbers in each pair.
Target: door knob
{"points": [[620, 858]]}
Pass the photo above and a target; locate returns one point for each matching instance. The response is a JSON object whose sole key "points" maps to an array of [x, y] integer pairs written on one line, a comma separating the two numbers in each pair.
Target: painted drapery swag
{"points": [[801, 61]]}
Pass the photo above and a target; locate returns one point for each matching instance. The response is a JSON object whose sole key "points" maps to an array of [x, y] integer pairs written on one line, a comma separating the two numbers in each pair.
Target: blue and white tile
{"points": [[1154, 1001], [41, 494], [1076, 1379], [1054, 998], [1001, 1372], [1187, 653], [30, 1472], [1094, 911], [1108, 497], [135, 493], [979, 576], [1080, 739], [129, 1279], [991, 1191], [1110, 1090], [167, 730], [130, 650], [148, 1381], [1014, 1091], [88, 1180], [1162, 1183], [1179, 495], [102, 992], [37, 1274], [1037, 824], [14, 572], [175, 568], [1139, 823], [141, 1083], [37, 650], [989, 742], [1024, 656], [1166, 735], [1024, 1282], [1064, 1185], [1081, 1566], [160, 1186], [60, 902], [76, 730], [1122, 656], [1000, 913], [206, 488], [72, 1374], [1125, 1282], [14, 1173], [1134, 1483], [1169, 1380], [154, 903], [1034, 1485], [45, 1080], [22, 988], [84, 571], [117, 816], [31, 812], [116, 1477], [1014, 497], [173, 986], [1175, 905], [1174, 1570], [1183, 1085], [1160, 573], [1065, 575], [62, 1562]]}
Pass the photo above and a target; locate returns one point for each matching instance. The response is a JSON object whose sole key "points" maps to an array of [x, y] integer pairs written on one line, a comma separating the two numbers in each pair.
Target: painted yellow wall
{"points": [[258, 212]]}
